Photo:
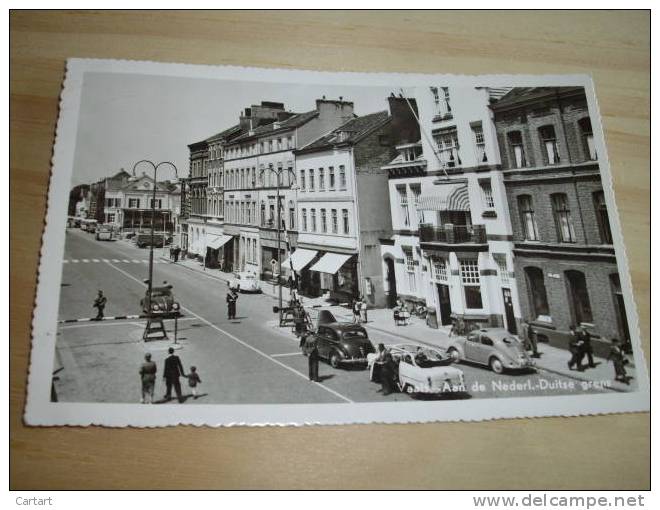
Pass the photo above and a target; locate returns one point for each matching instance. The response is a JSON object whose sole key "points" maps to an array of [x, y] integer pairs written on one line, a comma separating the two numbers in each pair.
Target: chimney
{"points": [[337, 109]]}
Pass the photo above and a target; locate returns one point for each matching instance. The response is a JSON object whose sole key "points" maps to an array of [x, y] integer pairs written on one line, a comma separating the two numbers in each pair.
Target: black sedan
{"points": [[340, 344]]}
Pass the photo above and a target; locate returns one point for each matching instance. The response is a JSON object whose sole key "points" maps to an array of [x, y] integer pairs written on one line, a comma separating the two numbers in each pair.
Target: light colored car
{"points": [[492, 347], [104, 233], [422, 370], [245, 282]]}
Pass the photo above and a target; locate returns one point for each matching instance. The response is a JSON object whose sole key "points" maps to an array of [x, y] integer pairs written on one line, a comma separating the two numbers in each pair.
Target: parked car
{"points": [[162, 302], [142, 240], [492, 347], [104, 233], [340, 344], [245, 282], [423, 370]]}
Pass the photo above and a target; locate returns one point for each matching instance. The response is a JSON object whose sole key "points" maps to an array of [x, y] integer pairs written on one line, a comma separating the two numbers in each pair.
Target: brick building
{"points": [[564, 258]]}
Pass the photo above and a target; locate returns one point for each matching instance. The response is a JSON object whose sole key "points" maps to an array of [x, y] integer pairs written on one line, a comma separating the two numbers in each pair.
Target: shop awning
{"points": [[446, 197], [299, 259], [216, 242], [330, 263]]}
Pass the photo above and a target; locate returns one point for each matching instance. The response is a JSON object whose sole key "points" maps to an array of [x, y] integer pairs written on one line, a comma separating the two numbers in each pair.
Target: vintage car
{"points": [[422, 370], [245, 282], [161, 303], [340, 343], [104, 233], [492, 347], [142, 240]]}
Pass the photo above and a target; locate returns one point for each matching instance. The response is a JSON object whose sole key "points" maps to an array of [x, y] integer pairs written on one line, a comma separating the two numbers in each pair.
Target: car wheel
{"points": [[454, 354], [335, 360], [496, 365], [409, 389]]}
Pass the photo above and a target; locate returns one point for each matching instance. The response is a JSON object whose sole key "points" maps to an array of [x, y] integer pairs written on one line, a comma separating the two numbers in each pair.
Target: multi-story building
{"points": [[129, 206], [451, 248], [197, 183], [254, 164], [564, 260], [111, 212], [342, 193]]}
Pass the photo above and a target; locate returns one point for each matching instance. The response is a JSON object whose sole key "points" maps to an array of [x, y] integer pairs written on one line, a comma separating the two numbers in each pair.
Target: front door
{"points": [[508, 311], [391, 284], [445, 304]]}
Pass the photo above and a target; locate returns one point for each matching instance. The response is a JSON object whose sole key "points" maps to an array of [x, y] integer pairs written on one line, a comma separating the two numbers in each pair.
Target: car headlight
{"points": [[175, 306], [155, 307]]}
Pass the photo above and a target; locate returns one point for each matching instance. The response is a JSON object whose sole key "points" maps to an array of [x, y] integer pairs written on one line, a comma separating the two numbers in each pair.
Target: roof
{"points": [[134, 185], [296, 120], [356, 129], [224, 134], [519, 95]]}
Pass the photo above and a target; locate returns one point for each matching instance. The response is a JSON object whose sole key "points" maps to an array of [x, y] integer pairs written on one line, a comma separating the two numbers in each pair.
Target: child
{"points": [[193, 381]]}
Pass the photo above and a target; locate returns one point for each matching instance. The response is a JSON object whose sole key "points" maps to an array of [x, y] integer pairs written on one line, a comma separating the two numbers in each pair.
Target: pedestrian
{"points": [[313, 360], [363, 309], [388, 374], [576, 347], [619, 361], [193, 381], [172, 372], [171, 253], [232, 297], [99, 304], [379, 362], [177, 252], [524, 334], [299, 319], [148, 371], [587, 347], [530, 339], [357, 306]]}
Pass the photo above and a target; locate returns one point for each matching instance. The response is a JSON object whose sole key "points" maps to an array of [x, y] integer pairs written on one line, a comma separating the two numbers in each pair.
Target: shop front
{"points": [[296, 267], [338, 274], [216, 251]]}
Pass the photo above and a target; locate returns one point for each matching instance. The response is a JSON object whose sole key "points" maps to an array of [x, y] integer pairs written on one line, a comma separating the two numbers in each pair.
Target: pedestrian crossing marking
{"points": [[109, 261], [135, 261], [115, 260], [85, 260], [65, 261], [96, 260], [125, 260]]}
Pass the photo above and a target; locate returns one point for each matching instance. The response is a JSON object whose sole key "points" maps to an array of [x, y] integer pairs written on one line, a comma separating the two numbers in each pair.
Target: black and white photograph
{"points": [[231, 245]]}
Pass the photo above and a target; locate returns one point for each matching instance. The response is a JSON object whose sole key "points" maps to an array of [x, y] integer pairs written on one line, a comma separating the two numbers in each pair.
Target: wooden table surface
{"points": [[587, 452]]}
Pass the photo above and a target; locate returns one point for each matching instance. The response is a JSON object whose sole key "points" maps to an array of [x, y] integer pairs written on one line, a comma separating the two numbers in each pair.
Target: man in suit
{"points": [[99, 304], [313, 361], [232, 297], [173, 370]]}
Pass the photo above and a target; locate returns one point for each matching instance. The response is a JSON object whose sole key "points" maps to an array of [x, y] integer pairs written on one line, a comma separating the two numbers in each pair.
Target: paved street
{"points": [[247, 360]]}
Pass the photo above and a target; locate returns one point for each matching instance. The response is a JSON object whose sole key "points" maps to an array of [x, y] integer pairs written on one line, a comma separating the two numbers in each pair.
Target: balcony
{"points": [[452, 234]]}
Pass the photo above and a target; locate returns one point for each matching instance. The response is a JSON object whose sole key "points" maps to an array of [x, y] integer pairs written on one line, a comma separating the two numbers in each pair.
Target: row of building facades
{"points": [[482, 204]]}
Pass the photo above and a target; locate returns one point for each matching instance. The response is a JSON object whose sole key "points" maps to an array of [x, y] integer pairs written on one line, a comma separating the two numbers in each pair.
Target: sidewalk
{"points": [[552, 359]]}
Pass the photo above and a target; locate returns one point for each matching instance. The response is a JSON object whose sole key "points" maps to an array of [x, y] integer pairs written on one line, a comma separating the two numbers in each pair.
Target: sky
{"points": [[125, 118]]}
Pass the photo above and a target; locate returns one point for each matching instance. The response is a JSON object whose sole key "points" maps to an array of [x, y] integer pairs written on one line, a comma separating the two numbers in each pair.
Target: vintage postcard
{"points": [[239, 246]]}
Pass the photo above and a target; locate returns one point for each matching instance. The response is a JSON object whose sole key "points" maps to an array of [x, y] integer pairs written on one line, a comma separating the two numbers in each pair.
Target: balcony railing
{"points": [[452, 234]]}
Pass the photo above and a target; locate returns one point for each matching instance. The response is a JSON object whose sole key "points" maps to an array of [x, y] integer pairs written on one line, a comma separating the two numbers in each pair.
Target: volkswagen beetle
{"points": [[162, 302]]}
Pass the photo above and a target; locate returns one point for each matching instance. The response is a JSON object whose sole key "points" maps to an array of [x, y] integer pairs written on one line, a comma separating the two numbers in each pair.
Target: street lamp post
{"points": [[153, 221]]}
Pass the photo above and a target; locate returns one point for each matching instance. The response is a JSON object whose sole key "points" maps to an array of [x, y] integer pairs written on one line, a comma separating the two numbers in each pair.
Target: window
{"points": [[588, 138], [500, 260], [344, 215], [279, 144], [335, 225], [416, 190], [471, 283], [479, 143], [539, 298], [270, 146], [549, 144], [292, 216], [579, 296], [263, 213], [410, 268], [111, 218], [441, 100], [321, 179], [403, 204], [133, 203], [342, 177], [487, 194], [603, 217], [440, 269], [302, 180], [304, 220], [289, 142], [313, 225], [331, 178], [324, 221], [447, 142], [311, 179], [563, 221]]}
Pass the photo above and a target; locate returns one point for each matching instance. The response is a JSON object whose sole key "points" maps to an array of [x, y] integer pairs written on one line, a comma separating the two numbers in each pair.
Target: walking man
{"points": [[587, 347], [619, 360], [576, 346], [148, 378], [99, 304], [232, 297], [313, 360], [173, 370], [177, 252]]}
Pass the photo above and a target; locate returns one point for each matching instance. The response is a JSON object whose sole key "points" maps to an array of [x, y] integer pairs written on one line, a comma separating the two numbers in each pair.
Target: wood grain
{"points": [[588, 452]]}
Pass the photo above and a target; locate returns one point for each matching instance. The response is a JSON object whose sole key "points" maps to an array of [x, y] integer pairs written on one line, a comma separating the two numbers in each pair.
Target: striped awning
{"points": [[446, 197]]}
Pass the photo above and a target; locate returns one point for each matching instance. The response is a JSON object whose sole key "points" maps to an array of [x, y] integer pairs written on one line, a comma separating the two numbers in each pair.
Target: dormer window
{"points": [[342, 136]]}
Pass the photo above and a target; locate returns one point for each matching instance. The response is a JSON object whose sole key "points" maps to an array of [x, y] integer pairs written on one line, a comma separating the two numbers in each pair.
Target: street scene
{"points": [[435, 243]]}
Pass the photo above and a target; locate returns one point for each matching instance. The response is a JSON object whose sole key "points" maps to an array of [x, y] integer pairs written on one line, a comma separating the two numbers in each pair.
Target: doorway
{"points": [[508, 312], [445, 303], [391, 283]]}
